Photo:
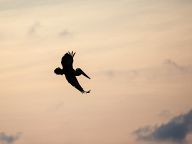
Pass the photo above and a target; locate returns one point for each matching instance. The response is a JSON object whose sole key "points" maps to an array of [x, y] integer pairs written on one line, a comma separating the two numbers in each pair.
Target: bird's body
{"points": [[69, 72]]}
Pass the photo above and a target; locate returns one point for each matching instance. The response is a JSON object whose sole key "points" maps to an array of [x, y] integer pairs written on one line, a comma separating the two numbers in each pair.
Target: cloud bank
{"points": [[8, 139], [175, 130]]}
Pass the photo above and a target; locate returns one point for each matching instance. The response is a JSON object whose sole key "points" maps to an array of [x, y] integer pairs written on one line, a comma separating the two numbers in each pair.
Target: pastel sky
{"points": [[138, 54]]}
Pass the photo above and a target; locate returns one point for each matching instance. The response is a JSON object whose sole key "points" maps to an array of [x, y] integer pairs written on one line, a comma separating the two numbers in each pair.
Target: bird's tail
{"points": [[86, 91]]}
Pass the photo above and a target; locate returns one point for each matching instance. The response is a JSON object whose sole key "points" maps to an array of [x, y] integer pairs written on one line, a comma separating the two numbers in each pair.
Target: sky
{"points": [[137, 53]]}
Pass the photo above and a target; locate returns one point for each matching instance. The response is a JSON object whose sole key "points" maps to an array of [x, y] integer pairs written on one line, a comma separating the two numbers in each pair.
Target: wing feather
{"points": [[74, 82]]}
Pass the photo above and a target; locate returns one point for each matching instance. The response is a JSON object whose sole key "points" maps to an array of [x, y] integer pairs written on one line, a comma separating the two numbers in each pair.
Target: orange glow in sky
{"points": [[138, 54]]}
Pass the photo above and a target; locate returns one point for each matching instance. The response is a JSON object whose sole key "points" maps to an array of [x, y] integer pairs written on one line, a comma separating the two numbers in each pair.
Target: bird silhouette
{"points": [[69, 72]]}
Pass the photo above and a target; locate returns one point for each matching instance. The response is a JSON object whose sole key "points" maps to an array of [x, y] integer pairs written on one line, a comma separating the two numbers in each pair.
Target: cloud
{"points": [[65, 33], [168, 70], [33, 29], [165, 113], [19, 4], [175, 130], [170, 64], [9, 139]]}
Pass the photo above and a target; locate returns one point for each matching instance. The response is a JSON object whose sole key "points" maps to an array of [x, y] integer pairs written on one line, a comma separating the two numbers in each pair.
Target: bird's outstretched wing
{"points": [[74, 82], [67, 60]]}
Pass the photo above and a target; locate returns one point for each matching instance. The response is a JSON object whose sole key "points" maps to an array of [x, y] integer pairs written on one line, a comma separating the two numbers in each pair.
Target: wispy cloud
{"points": [[168, 70], [165, 113], [9, 139], [18, 4], [175, 130], [64, 33], [33, 29]]}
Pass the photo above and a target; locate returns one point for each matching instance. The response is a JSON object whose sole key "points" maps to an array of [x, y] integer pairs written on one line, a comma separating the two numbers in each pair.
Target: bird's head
{"points": [[58, 71]]}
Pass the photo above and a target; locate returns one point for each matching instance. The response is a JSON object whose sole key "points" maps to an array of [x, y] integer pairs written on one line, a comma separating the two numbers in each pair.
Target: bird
{"points": [[71, 73]]}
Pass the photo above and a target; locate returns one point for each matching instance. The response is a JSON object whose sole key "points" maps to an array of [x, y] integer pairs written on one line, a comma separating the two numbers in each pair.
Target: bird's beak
{"points": [[85, 75]]}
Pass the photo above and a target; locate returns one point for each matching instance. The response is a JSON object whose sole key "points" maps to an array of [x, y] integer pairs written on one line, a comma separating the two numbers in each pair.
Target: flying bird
{"points": [[69, 72]]}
